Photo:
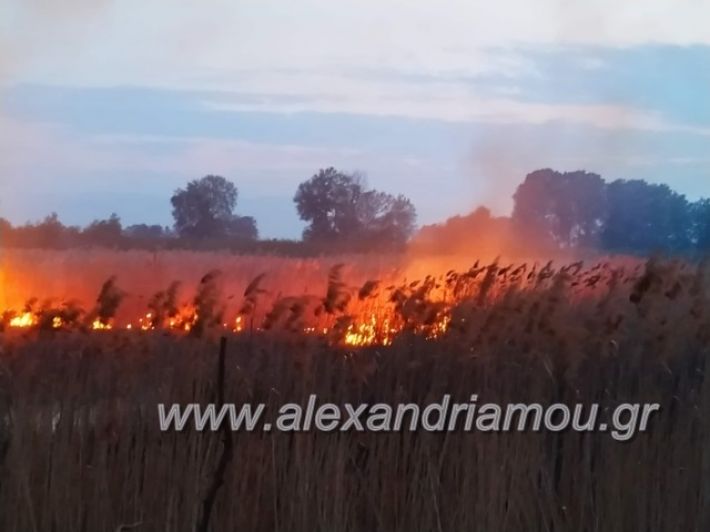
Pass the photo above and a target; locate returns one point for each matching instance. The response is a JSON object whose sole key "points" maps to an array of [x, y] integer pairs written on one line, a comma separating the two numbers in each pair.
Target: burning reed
{"points": [[80, 446]]}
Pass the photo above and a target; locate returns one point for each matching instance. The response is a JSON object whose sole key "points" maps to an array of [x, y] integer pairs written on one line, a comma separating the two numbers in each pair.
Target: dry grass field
{"points": [[81, 448]]}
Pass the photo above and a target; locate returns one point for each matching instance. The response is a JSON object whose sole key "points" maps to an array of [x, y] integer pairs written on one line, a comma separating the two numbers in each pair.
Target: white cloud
{"points": [[449, 101], [211, 42], [344, 56], [347, 56]]}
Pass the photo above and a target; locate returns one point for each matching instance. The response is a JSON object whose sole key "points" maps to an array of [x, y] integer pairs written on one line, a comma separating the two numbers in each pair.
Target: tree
{"points": [[205, 209], [701, 224], [6, 233], [107, 233], [145, 232], [339, 209], [568, 207], [385, 220], [328, 200], [48, 233], [646, 218], [243, 227]]}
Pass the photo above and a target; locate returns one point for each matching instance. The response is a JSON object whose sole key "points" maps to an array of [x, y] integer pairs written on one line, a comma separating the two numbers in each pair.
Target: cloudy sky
{"points": [[108, 106]]}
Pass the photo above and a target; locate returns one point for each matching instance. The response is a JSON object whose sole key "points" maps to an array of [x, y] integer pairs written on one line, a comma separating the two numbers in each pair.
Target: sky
{"points": [[109, 106]]}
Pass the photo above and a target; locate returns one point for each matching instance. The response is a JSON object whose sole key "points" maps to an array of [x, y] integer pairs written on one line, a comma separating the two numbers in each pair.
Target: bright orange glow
{"points": [[26, 319], [98, 325], [146, 322], [373, 330], [340, 304]]}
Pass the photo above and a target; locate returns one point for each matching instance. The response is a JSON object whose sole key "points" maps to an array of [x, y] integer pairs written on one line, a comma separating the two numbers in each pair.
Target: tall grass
{"points": [[81, 450]]}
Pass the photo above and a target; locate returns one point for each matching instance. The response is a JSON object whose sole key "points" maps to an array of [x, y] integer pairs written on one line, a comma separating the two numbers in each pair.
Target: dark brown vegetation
{"points": [[81, 449]]}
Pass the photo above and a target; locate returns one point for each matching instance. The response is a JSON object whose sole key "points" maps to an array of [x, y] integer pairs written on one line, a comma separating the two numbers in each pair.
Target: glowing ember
{"points": [[146, 322], [26, 319], [98, 325]]}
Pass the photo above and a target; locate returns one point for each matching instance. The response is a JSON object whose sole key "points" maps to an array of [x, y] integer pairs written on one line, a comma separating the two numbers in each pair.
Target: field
{"points": [[81, 448]]}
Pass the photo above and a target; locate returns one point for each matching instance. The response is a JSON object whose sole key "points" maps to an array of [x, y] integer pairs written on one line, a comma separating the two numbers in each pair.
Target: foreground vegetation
{"points": [[81, 449]]}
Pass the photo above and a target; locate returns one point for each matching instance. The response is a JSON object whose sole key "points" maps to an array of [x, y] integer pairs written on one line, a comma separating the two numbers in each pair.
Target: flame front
{"points": [[345, 315]]}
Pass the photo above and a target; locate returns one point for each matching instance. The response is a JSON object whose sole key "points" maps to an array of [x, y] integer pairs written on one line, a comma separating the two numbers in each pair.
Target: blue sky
{"points": [[109, 106]]}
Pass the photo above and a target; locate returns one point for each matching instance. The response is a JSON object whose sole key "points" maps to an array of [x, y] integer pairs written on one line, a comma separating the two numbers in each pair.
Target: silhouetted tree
{"points": [[145, 232], [384, 220], [50, 230], [341, 210], [568, 207], [645, 218], [107, 233], [242, 227], [49, 233], [205, 209], [5, 232], [328, 201], [701, 224]]}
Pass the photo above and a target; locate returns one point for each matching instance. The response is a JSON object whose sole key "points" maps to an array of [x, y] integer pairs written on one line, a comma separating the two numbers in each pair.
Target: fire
{"points": [[26, 319], [370, 332], [439, 328], [184, 321], [99, 325], [146, 322], [377, 327], [373, 314]]}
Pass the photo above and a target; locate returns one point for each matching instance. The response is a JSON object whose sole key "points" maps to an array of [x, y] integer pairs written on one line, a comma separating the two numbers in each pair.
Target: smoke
{"points": [[478, 235], [499, 163]]}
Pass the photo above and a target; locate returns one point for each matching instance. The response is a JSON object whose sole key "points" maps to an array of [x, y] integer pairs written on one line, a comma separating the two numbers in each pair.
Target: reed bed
{"points": [[81, 449]]}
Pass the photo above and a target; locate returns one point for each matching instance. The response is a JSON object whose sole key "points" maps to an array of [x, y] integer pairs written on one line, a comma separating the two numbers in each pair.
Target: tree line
{"points": [[581, 210], [342, 215], [562, 210]]}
